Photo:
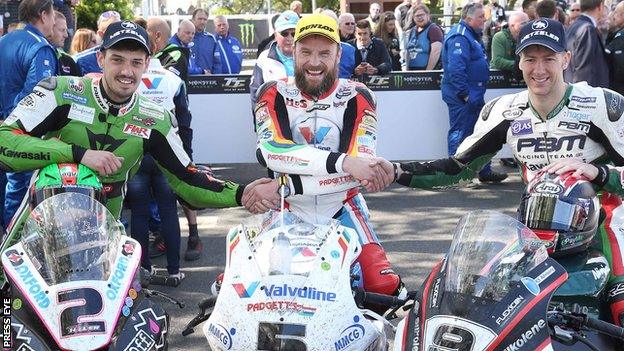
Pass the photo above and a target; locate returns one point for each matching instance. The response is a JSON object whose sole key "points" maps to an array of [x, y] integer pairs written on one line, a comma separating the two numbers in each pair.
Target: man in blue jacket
{"points": [[204, 48], [86, 60], [464, 81], [27, 57], [229, 47], [184, 39]]}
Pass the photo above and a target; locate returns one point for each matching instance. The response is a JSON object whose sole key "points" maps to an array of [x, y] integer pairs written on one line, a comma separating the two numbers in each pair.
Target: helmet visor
{"points": [[553, 212]]}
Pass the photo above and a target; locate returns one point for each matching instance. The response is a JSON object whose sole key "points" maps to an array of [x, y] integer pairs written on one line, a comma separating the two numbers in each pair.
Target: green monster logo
{"points": [[247, 32], [398, 81]]}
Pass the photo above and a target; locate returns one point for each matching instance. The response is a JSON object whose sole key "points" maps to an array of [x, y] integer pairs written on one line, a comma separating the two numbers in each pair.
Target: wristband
{"points": [[603, 175]]}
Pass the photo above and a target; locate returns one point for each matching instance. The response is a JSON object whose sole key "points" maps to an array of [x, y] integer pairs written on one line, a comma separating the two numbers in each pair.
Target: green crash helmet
{"points": [[66, 177]]}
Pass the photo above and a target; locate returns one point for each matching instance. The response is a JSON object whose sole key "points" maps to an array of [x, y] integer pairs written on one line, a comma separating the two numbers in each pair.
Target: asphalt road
{"points": [[415, 227]]}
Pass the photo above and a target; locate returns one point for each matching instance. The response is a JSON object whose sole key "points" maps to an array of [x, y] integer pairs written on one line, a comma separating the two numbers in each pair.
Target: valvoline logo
{"points": [[314, 138], [151, 84], [350, 334], [245, 292]]}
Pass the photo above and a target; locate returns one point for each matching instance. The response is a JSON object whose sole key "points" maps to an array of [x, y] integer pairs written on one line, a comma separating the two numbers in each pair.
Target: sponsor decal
{"points": [[365, 150], [584, 99], [531, 285], [583, 127], [291, 160], [14, 257], [262, 114], [81, 113], [336, 180], [343, 92], [539, 24], [245, 292], [146, 121], [128, 248], [319, 107], [24, 155], [514, 113], [526, 337], [117, 277], [306, 311], [233, 83], [309, 293], [296, 103], [34, 288], [148, 112], [367, 140], [68, 173], [314, 137], [579, 115], [550, 144], [416, 337], [137, 131], [350, 335], [510, 308], [28, 102], [549, 188], [266, 135], [76, 85], [142, 341], [435, 294], [521, 127], [75, 98], [222, 334], [316, 26], [338, 104], [614, 105], [291, 91], [617, 289], [378, 81], [544, 275], [247, 32]]}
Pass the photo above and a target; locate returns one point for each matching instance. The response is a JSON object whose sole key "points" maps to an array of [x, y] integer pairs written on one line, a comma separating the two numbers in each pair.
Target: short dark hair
{"points": [[588, 5], [198, 11], [363, 24], [30, 10], [527, 3], [546, 8], [140, 21]]}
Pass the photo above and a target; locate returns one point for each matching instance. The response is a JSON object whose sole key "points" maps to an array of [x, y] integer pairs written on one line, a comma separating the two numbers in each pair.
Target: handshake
{"points": [[374, 174]]}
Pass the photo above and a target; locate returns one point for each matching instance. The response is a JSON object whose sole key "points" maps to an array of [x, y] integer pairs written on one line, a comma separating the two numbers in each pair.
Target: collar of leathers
{"points": [[564, 101]]}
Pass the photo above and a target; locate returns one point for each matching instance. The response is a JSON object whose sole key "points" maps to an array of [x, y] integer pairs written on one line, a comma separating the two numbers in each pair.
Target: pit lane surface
{"points": [[414, 226]]}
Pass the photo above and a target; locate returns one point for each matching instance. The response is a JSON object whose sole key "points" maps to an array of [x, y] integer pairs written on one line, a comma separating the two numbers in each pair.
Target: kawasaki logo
{"points": [[526, 337], [151, 84], [247, 32], [25, 155]]}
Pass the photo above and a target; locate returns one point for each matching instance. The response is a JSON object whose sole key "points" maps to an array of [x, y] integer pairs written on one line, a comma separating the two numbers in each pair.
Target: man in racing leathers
{"points": [[106, 125], [321, 133], [554, 126]]}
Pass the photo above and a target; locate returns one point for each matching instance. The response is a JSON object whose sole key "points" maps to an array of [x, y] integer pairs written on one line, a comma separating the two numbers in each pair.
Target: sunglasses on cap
{"points": [[109, 14]]}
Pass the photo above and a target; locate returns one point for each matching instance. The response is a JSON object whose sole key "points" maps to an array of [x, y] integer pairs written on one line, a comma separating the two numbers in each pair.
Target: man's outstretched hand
{"points": [[372, 173], [103, 162], [261, 195]]}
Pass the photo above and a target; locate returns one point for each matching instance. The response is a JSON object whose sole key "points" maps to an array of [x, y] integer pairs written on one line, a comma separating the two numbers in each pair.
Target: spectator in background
{"points": [[547, 9], [371, 56], [140, 21], [265, 43], [495, 18], [401, 13], [171, 56], [184, 39], [584, 41], [86, 60], [27, 57], [562, 17], [276, 62], [575, 11], [504, 43], [408, 21], [464, 81], [65, 7], [387, 32], [297, 7], [204, 48], [422, 44], [528, 7], [346, 25], [374, 11], [66, 64], [1, 25], [230, 47], [14, 26], [83, 39], [347, 56], [615, 49]]}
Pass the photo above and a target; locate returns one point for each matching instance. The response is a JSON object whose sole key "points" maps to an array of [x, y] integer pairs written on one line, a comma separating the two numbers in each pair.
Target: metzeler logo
{"points": [[526, 336], [247, 32], [25, 155], [151, 84]]}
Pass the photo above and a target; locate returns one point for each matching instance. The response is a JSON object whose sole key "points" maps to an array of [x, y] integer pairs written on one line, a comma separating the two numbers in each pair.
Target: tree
{"points": [[236, 7], [88, 11]]}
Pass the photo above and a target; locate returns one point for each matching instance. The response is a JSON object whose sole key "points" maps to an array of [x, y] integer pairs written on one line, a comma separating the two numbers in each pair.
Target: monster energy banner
{"points": [[423, 80], [250, 32]]}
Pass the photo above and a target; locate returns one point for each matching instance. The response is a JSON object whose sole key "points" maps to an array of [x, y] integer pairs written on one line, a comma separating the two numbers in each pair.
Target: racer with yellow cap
{"points": [[321, 131]]}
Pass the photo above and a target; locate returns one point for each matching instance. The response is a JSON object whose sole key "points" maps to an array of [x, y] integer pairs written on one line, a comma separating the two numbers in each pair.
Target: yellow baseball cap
{"points": [[317, 23]]}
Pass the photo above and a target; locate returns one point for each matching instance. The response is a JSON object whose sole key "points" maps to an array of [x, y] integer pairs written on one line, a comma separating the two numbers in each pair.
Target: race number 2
{"points": [[80, 303], [281, 336]]}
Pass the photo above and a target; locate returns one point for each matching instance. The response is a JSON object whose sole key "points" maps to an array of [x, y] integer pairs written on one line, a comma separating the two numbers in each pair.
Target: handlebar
{"points": [[576, 321], [362, 297], [203, 305]]}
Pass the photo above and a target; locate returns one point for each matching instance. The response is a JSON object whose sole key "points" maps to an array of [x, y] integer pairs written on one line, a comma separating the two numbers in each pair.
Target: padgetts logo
{"points": [[526, 336], [247, 32]]}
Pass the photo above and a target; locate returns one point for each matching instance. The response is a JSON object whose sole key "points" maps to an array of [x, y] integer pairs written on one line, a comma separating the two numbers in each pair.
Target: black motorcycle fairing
{"points": [[145, 329], [25, 337]]}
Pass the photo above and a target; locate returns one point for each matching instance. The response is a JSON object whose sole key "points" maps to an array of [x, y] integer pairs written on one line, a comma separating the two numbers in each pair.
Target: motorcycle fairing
{"points": [[23, 337], [145, 329], [76, 313], [311, 309]]}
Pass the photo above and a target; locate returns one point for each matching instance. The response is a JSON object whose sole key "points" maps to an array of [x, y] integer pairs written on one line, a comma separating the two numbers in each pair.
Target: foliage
{"points": [[235, 7], [88, 11]]}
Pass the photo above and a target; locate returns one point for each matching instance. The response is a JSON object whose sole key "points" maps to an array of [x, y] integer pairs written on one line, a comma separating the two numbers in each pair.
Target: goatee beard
{"points": [[316, 91]]}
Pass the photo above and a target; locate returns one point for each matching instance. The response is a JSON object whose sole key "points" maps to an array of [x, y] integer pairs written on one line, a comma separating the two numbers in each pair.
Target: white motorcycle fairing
{"points": [[309, 308]]}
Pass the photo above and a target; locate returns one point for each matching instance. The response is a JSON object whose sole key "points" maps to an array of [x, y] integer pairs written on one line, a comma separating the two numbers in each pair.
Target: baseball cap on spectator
{"points": [[125, 30], [286, 20], [545, 32], [320, 24]]}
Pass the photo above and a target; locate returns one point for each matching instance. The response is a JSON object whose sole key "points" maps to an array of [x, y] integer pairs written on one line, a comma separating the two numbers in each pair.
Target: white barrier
{"points": [[413, 125]]}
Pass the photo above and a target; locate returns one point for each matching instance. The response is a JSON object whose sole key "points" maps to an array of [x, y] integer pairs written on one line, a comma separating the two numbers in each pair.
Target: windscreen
{"points": [[72, 237]]}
